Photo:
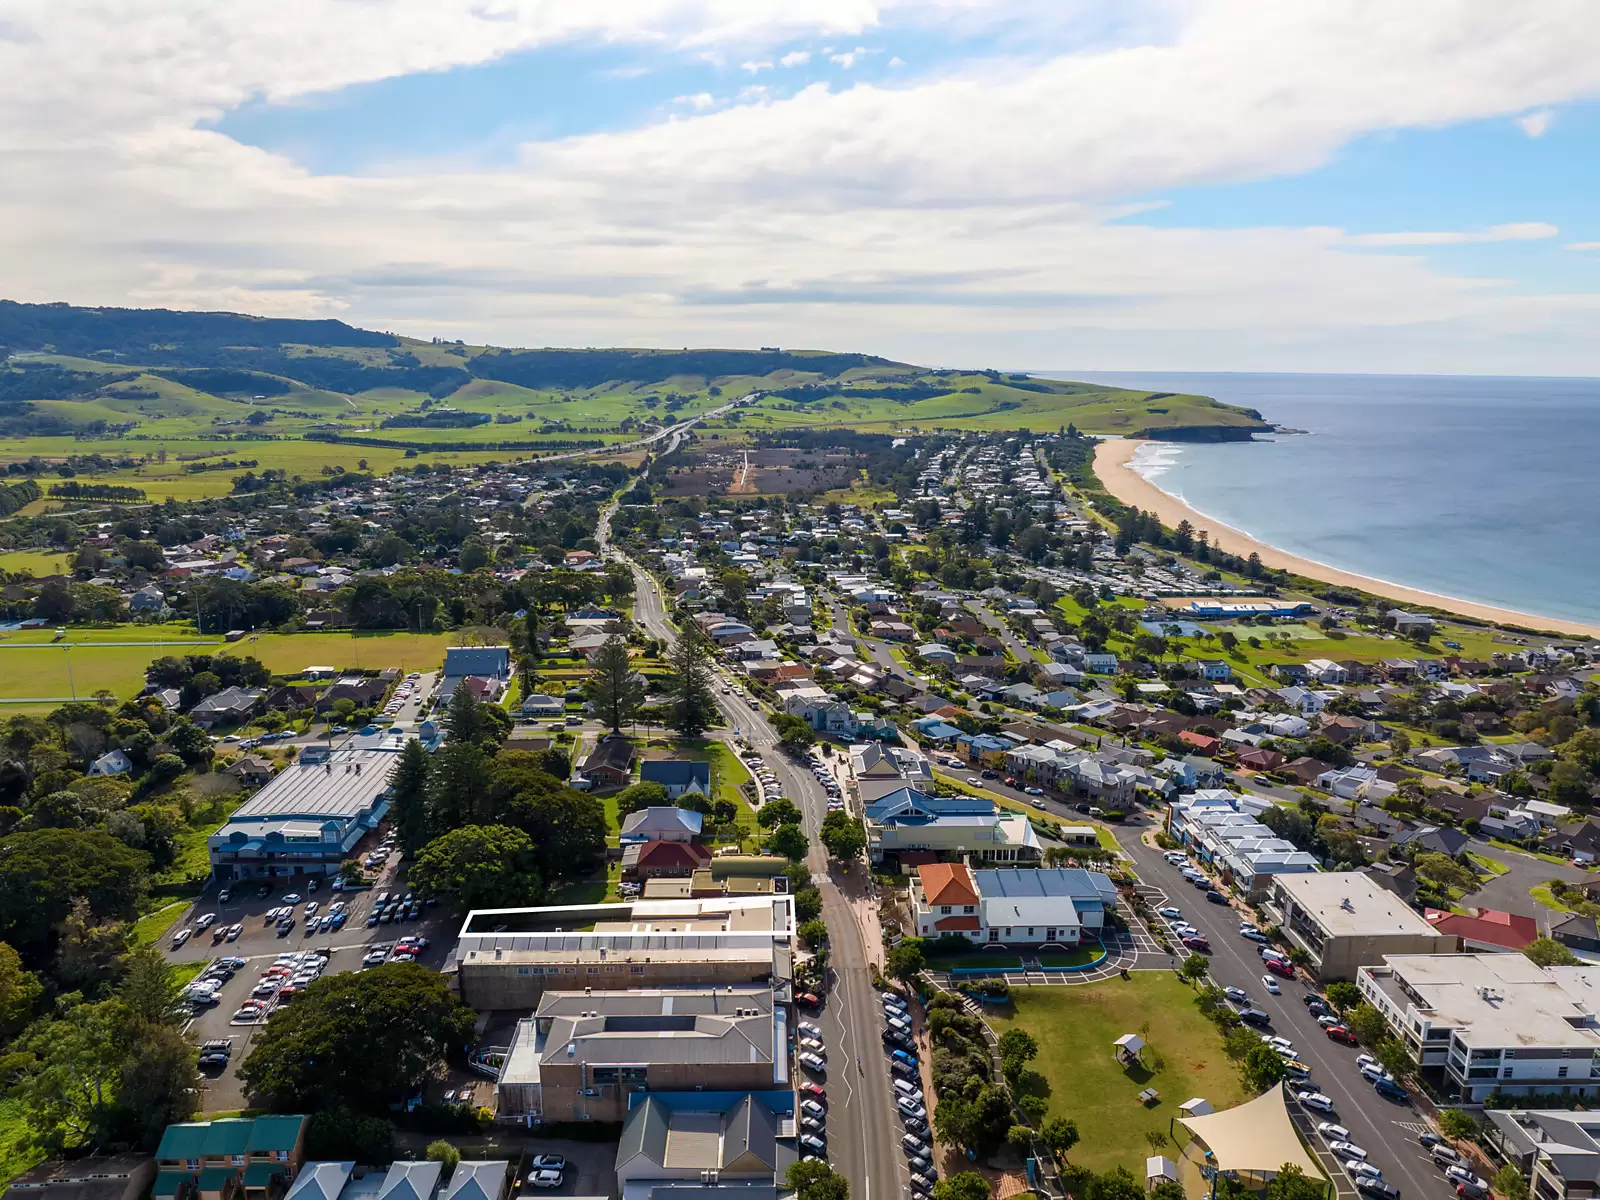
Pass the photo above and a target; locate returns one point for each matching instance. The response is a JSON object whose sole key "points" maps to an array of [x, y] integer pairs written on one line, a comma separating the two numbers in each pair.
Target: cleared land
{"points": [[1076, 1026]]}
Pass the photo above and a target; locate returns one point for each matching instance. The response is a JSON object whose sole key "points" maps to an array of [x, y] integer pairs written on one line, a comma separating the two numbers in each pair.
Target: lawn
{"points": [[1076, 957], [37, 563], [1484, 863], [1076, 1026], [32, 666], [1546, 897], [152, 927], [977, 961]]}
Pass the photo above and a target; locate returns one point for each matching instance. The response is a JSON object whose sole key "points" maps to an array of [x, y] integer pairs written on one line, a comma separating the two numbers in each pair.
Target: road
{"points": [[673, 432], [1387, 1131], [863, 1131], [997, 626]]}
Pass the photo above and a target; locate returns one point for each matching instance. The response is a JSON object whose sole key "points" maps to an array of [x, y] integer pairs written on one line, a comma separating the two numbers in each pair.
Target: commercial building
{"points": [[683, 1143], [507, 958], [308, 817], [908, 820], [1557, 1150], [1493, 1022], [1345, 921], [583, 1055], [1010, 907]]}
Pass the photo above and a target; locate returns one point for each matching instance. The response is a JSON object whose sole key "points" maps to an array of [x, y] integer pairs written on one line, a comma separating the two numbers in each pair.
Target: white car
{"points": [[546, 1178], [1172, 914], [811, 1027], [811, 1106], [813, 1062], [205, 922], [1358, 1168], [814, 1045], [1033, 791], [1333, 1132], [1315, 1100], [1365, 1060], [1278, 1043], [1372, 1073], [1271, 984], [974, 781], [1348, 1150]]}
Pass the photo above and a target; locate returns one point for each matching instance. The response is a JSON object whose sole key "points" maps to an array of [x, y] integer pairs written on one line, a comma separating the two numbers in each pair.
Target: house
{"points": [[483, 662], [1200, 743], [227, 706], [1431, 839], [661, 824], [1033, 907], [540, 705], [358, 689], [1485, 929], [658, 860], [610, 763], [113, 762], [944, 900], [1577, 932], [1215, 669], [291, 696], [147, 600], [680, 778], [409, 1179], [482, 1180], [97, 1177], [321, 1181], [687, 1139], [817, 708], [250, 769], [1407, 623], [237, 1158], [1257, 759], [909, 820], [1100, 663], [1326, 671]]}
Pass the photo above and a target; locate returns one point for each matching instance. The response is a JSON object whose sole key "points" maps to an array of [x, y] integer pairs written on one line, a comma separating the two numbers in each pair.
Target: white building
{"points": [[1493, 1022]]}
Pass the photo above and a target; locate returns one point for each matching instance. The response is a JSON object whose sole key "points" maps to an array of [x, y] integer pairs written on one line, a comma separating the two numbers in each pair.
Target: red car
{"points": [[815, 1090], [1340, 1034], [1280, 968], [1195, 942], [807, 1000]]}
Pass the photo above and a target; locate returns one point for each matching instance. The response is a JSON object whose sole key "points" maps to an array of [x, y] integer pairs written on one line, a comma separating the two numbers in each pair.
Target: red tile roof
{"points": [[947, 883], [955, 924], [1490, 926]]}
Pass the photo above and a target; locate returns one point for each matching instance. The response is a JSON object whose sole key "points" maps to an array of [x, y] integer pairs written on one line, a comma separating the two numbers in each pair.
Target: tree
{"points": [[1445, 871], [816, 1180], [1262, 1068], [443, 1152], [965, 1185], [158, 1085], [1061, 1135], [1017, 1049], [789, 841], [341, 1134], [1115, 1184], [778, 812], [1343, 995], [1510, 1182], [43, 871], [1547, 952], [474, 554], [794, 734], [464, 718], [843, 836], [614, 687], [694, 704], [813, 933], [567, 827], [19, 993], [646, 795], [1292, 1183], [408, 807], [905, 962], [1366, 1023], [148, 990], [358, 1039], [1457, 1125], [1195, 967], [1393, 1057], [481, 866], [458, 788]]}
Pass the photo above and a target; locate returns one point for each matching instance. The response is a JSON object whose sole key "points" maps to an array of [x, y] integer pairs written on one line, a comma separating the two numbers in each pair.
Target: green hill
{"points": [[155, 373]]}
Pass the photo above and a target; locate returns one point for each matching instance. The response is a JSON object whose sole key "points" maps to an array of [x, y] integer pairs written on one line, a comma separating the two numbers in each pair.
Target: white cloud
{"points": [[897, 61], [1526, 231], [978, 214], [755, 67], [848, 58], [1535, 123], [1582, 246], [795, 58]]}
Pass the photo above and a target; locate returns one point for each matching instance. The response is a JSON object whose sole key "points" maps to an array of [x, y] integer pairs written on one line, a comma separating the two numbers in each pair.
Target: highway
{"points": [[862, 1126]]}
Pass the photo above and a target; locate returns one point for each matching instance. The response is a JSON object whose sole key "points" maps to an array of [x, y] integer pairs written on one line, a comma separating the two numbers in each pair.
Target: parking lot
{"points": [[260, 946]]}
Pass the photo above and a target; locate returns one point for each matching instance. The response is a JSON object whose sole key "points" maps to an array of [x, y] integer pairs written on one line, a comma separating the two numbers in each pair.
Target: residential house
{"points": [[685, 1140], [250, 769], [361, 691], [478, 1180], [113, 762], [661, 824], [1576, 932], [237, 1158], [1034, 907], [1484, 929], [610, 763], [679, 777], [95, 1177], [228, 706], [657, 860], [911, 821]]}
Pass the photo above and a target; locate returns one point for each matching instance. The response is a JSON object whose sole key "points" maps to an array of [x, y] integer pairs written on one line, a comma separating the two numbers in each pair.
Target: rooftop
{"points": [[1498, 1000], [1350, 904], [345, 786]]}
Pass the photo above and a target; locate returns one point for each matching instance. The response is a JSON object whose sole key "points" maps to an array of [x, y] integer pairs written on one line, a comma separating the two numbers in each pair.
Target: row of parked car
{"points": [[205, 988], [285, 979], [910, 1106]]}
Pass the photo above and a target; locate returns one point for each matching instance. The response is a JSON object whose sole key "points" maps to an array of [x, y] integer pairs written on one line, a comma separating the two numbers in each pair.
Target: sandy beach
{"points": [[1111, 465]]}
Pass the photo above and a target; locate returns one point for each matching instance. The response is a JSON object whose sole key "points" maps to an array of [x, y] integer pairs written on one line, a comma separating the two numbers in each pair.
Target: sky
{"points": [[1328, 185]]}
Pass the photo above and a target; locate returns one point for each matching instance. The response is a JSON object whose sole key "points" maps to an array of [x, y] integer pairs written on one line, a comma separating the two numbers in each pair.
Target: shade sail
{"points": [[1258, 1136]]}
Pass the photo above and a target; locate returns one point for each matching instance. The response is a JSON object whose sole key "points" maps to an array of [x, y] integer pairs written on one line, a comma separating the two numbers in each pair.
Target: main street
{"points": [[863, 1130]]}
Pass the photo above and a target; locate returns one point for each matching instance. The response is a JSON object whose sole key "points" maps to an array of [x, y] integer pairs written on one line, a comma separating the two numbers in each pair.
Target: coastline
{"points": [[1111, 459]]}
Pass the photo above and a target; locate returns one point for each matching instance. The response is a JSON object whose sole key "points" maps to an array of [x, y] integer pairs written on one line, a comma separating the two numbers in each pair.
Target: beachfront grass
{"points": [[1076, 1027], [34, 666]]}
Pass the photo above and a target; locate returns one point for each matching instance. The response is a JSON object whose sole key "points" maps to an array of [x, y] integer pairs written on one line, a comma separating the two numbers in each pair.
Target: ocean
{"points": [[1480, 488]]}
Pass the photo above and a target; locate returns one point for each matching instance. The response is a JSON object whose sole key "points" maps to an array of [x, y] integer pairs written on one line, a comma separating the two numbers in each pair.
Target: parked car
{"points": [[1377, 1189], [1172, 914], [549, 1162], [1339, 1033], [815, 1090], [1237, 995], [1255, 1016], [1458, 1173], [1214, 897], [1360, 1168], [1442, 1155], [812, 1062], [1348, 1150], [1195, 941], [1280, 968], [1315, 1101], [1333, 1132], [1390, 1090], [911, 1108]]}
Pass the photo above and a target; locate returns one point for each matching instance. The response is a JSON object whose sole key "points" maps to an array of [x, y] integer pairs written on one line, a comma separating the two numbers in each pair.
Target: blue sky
{"points": [[1336, 185]]}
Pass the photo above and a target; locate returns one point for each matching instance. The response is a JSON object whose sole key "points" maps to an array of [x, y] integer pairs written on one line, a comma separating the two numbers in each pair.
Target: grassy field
{"points": [[153, 926], [32, 665], [1075, 1028], [38, 563]]}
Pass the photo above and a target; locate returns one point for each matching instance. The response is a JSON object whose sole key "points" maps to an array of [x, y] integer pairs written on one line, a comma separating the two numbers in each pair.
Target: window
{"points": [[1507, 1073], [971, 908], [1561, 1073], [238, 1160], [944, 910]]}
